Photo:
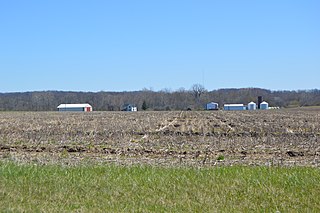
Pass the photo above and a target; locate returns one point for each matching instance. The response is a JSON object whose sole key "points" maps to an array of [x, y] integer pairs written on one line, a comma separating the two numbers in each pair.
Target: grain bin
{"points": [[264, 105], [252, 106]]}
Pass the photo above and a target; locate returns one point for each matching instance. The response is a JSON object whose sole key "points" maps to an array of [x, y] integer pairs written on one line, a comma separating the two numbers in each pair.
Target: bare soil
{"points": [[285, 137]]}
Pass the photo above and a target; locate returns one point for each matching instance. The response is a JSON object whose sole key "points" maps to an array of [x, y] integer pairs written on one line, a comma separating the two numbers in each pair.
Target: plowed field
{"points": [[275, 137]]}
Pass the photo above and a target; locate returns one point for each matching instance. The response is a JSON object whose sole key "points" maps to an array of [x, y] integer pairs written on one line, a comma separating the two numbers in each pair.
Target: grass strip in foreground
{"points": [[110, 188]]}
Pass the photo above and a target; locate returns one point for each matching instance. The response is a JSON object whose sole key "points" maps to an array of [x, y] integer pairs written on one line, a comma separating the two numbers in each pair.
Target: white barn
{"points": [[74, 108]]}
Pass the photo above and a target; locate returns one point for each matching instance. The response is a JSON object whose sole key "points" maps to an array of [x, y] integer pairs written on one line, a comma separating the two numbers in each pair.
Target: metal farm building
{"points": [[231, 107], [74, 108], [212, 106]]}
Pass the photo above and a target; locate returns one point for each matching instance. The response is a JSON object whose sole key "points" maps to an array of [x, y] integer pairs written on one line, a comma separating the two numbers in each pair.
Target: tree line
{"points": [[194, 98]]}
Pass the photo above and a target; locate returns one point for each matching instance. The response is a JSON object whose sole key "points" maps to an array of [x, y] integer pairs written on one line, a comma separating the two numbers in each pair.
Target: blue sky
{"points": [[125, 45]]}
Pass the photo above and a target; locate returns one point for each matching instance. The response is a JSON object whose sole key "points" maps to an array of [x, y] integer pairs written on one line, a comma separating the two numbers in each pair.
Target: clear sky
{"points": [[126, 45]]}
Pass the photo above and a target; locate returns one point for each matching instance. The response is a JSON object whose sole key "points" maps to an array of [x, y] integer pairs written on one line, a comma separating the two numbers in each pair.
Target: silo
{"points": [[264, 105], [252, 106], [260, 99]]}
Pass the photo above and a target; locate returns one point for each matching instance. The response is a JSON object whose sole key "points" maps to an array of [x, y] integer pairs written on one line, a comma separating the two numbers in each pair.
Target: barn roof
{"points": [[73, 105], [234, 105]]}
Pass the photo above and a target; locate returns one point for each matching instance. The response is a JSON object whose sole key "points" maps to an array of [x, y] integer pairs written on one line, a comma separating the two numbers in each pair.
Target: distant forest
{"points": [[181, 99]]}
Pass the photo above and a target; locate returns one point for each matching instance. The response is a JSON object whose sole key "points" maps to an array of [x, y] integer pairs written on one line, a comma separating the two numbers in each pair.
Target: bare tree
{"points": [[198, 90]]}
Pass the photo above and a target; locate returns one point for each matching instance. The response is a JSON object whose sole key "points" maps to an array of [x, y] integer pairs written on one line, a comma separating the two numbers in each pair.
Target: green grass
{"points": [[110, 188]]}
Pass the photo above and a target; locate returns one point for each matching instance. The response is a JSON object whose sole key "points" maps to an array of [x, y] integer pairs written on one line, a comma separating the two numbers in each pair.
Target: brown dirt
{"points": [[274, 137]]}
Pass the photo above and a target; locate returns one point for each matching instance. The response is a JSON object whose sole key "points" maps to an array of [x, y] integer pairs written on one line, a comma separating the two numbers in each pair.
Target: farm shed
{"points": [[212, 106], [129, 108], [231, 107], [252, 106], [264, 105], [74, 108]]}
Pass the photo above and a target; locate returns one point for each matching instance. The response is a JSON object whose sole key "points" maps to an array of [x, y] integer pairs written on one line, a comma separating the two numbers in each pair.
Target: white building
{"points": [[74, 108], [212, 106], [231, 107], [129, 108]]}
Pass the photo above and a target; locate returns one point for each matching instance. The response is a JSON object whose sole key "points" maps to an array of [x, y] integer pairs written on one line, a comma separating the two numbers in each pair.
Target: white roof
{"points": [[234, 105], [264, 102], [73, 105], [252, 102]]}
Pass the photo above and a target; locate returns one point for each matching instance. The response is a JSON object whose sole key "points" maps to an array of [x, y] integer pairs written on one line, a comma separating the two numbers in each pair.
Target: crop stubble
{"points": [[279, 137]]}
